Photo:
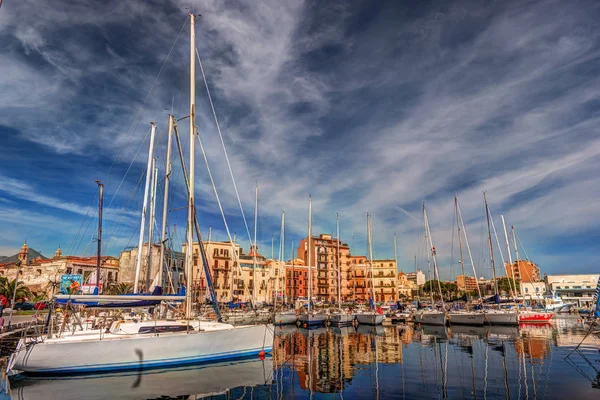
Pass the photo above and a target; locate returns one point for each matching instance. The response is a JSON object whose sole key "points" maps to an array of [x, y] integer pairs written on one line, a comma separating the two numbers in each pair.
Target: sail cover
{"points": [[597, 299]]}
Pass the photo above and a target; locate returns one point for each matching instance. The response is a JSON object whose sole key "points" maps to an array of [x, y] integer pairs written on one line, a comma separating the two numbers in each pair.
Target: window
{"points": [[38, 272], [526, 290]]}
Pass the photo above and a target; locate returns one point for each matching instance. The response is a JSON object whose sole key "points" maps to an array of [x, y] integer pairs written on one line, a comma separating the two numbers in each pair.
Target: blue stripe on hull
{"points": [[145, 365]]}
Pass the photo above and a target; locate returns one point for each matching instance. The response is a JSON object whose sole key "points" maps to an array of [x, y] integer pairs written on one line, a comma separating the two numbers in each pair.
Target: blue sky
{"points": [[368, 107]]}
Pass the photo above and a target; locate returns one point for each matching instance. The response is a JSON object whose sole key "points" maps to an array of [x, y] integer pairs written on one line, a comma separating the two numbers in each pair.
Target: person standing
{"points": [[3, 301]]}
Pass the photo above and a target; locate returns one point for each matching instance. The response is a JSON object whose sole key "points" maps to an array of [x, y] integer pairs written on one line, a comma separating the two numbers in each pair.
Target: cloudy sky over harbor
{"points": [[368, 106]]}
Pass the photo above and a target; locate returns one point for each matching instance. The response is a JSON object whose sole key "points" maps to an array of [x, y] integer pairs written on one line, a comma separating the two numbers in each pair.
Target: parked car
{"points": [[24, 306], [41, 305]]}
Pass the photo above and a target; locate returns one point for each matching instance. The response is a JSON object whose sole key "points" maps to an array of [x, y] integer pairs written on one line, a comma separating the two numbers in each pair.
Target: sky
{"points": [[367, 106]]}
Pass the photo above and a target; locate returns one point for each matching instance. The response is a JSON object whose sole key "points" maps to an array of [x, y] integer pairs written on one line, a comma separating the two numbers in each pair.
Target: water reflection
{"points": [[526, 362]]}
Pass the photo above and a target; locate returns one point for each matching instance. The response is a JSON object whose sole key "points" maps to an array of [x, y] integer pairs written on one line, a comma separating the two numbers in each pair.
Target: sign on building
{"points": [[88, 288], [71, 283]]}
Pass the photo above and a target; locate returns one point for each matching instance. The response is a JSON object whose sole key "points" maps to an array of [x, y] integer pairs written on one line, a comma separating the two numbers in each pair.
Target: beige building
{"points": [[418, 278], [577, 289], [406, 287], [128, 263], [385, 280], [44, 275]]}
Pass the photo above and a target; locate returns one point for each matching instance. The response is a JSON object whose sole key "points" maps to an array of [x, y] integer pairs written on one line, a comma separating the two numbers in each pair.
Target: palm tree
{"points": [[7, 288], [122, 288]]}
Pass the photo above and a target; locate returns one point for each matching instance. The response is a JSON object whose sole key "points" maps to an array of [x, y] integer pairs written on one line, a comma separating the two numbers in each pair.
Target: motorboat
{"points": [[430, 317], [138, 346], [535, 317]]}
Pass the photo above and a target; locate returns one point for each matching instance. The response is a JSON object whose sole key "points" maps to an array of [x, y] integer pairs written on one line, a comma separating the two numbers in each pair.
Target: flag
{"points": [[433, 250]]}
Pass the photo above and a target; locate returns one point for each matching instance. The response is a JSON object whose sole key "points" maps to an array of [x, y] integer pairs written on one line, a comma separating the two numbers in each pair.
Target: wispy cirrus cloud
{"points": [[367, 107]]}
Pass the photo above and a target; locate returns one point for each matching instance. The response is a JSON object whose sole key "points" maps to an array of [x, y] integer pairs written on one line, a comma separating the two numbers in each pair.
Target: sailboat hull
{"points": [[466, 318], [89, 354], [311, 320], [341, 319], [370, 319], [194, 381], [502, 318], [535, 317], [430, 318], [285, 318]]}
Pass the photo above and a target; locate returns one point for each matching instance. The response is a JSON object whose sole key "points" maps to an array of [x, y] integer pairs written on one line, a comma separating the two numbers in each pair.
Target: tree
{"points": [[448, 288], [122, 288], [505, 284], [7, 288]]}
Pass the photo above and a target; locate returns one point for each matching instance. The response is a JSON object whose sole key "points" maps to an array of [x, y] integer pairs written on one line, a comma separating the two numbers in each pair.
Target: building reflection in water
{"points": [[427, 361]]}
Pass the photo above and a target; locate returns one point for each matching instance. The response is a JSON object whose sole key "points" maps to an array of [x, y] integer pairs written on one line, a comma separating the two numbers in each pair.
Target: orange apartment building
{"points": [[296, 281], [324, 249], [524, 270], [466, 283]]}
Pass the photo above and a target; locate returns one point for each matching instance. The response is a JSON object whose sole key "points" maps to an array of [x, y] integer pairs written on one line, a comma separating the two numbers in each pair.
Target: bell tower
{"points": [[24, 254]]}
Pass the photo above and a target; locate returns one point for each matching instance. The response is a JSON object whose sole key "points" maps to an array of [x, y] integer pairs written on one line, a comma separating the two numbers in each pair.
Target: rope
{"points": [[212, 181], [224, 149]]}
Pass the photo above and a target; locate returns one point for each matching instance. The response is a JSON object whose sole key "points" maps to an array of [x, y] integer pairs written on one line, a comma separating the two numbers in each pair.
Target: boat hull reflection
{"points": [[199, 381]]}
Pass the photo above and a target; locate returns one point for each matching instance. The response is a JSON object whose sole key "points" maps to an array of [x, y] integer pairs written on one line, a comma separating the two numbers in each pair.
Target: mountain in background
{"points": [[32, 254]]}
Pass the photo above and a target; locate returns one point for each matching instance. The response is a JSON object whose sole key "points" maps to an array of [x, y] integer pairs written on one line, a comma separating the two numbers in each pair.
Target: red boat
{"points": [[539, 317]]}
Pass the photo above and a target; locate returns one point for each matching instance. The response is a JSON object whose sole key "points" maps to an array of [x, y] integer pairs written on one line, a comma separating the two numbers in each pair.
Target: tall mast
{"points": [[309, 253], [395, 252], [369, 240], [163, 233], [469, 252], [151, 223], [339, 274], [433, 256], [189, 254], [281, 257], [144, 211], [487, 213], [428, 256], [255, 250], [293, 276], [99, 254], [518, 260], [462, 260], [512, 271]]}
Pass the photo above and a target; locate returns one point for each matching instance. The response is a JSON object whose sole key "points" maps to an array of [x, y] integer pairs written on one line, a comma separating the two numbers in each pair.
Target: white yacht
{"points": [[139, 345], [430, 317]]}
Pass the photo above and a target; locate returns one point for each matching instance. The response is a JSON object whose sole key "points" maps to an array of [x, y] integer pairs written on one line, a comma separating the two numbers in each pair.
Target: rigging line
{"points": [[223, 144], [141, 109], [121, 215], [523, 247], [81, 225], [128, 169], [218, 199]]}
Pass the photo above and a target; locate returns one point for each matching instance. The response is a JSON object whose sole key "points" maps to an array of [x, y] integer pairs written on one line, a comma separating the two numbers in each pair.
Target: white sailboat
{"points": [[370, 317], [311, 318], [340, 317], [431, 317], [496, 316], [465, 317], [150, 344]]}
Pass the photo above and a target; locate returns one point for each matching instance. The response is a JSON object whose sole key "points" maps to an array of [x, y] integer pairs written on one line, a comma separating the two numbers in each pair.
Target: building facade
{"points": [[417, 277], [325, 259], [523, 270], [43, 275], [466, 283], [385, 275], [576, 289], [406, 287]]}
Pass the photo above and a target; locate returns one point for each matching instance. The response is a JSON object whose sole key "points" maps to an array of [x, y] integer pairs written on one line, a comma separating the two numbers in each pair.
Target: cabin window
{"points": [[165, 328]]}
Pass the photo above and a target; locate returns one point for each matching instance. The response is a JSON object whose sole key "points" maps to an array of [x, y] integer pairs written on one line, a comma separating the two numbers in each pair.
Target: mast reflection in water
{"points": [[404, 362]]}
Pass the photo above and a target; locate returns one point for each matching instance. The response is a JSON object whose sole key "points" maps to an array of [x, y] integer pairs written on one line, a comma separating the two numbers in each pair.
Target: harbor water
{"points": [[392, 362]]}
